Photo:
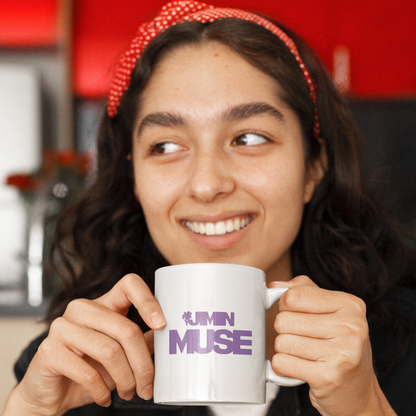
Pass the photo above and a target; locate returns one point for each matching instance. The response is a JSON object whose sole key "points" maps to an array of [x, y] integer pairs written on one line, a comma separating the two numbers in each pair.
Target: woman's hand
{"points": [[92, 349], [323, 339]]}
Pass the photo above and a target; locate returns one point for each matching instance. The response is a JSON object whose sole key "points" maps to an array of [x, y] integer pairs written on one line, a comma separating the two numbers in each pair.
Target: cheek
{"points": [[278, 182], [155, 191]]}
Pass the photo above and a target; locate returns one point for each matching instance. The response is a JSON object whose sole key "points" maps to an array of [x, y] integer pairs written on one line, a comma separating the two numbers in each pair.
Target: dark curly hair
{"points": [[346, 242]]}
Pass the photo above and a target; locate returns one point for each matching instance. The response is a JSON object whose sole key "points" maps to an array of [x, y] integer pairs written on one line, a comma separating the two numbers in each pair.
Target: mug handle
{"points": [[272, 296]]}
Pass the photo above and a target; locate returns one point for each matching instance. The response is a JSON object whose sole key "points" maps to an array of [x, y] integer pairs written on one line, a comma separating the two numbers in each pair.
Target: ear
{"points": [[315, 171]]}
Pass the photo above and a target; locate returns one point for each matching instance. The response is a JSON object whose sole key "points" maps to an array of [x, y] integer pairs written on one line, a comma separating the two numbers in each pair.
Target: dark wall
{"points": [[389, 129]]}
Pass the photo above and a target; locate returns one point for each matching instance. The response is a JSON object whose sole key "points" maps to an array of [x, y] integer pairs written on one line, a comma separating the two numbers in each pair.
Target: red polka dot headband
{"points": [[184, 11]]}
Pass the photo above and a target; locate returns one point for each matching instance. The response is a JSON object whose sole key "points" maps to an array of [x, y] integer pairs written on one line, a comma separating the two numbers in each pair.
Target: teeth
{"points": [[229, 226], [209, 228], [218, 228]]}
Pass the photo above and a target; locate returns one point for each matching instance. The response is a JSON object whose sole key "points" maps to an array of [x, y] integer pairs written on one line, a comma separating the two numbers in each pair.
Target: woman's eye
{"points": [[250, 139], [165, 148]]}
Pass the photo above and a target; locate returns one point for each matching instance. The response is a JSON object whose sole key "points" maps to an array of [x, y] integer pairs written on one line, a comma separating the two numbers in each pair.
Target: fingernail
{"points": [[147, 392], [129, 396], [157, 320], [107, 404]]}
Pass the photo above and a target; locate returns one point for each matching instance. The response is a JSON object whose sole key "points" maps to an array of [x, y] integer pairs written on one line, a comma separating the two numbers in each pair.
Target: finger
{"points": [[101, 348], [125, 332], [322, 326], [301, 280], [132, 290], [319, 375], [306, 348], [338, 355], [336, 352], [312, 299], [306, 325], [287, 365], [72, 366]]}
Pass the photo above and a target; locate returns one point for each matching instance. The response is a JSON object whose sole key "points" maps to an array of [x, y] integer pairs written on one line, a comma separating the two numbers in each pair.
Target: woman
{"points": [[226, 142]]}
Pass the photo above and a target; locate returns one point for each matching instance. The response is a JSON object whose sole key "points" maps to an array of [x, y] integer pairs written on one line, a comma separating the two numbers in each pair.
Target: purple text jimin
{"points": [[208, 340]]}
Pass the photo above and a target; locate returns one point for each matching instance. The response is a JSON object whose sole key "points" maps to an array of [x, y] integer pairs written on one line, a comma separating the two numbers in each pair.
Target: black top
{"points": [[398, 382]]}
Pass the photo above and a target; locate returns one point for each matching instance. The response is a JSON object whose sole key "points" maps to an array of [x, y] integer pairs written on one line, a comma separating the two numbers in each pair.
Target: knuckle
{"points": [[355, 330], [146, 374], [131, 279], [361, 306], [284, 346], [349, 354], [277, 362], [355, 322], [148, 301], [110, 351], [292, 297], [281, 344], [46, 349], [357, 304], [280, 365], [102, 400], [278, 327], [130, 384], [279, 322], [303, 279], [90, 377], [129, 330], [331, 378], [362, 332], [126, 385], [75, 306], [278, 344], [57, 325], [346, 359]]}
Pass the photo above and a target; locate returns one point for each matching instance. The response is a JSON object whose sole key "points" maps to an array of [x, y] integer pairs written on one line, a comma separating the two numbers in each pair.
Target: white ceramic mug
{"points": [[213, 348]]}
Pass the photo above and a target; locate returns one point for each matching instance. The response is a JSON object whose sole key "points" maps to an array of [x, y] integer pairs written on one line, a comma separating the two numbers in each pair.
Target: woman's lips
{"points": [[220, 227]]}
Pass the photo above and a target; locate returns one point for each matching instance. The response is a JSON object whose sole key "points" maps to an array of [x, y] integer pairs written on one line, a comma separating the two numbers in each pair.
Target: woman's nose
{"points": [[210, 177]]}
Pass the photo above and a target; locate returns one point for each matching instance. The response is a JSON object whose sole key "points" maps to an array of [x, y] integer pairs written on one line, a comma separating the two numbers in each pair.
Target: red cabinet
{"points": [[378, 36]]}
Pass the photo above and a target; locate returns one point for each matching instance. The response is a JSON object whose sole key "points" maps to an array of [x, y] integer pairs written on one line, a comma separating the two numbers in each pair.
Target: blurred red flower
{"points": [[23, 182], [55, 163]]}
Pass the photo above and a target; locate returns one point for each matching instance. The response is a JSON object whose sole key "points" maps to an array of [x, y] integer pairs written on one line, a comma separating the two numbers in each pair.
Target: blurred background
{"points": [[57, 58]]}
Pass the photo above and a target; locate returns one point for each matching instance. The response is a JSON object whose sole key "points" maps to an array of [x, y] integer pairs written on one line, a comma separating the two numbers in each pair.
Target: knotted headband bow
{"points": [[184, 11]]}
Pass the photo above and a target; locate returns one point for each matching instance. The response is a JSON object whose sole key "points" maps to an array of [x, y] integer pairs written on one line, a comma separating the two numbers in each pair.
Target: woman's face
{"points": [[218, 162]]}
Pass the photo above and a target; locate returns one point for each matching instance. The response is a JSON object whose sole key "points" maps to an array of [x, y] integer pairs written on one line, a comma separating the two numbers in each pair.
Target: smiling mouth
{"points": [[220, 227]]}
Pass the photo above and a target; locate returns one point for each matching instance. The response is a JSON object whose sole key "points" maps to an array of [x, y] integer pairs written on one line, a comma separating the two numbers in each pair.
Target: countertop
{"points": [[13, 303], [23, 309]]}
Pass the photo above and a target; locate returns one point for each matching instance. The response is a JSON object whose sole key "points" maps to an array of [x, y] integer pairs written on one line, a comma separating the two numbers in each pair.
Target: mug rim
{"points": [[212, 265]]}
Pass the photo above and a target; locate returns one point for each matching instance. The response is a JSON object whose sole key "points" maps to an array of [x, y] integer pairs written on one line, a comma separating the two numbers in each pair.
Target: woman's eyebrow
{"points": [[239, 112], [248, 110], [160, 119]]}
